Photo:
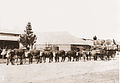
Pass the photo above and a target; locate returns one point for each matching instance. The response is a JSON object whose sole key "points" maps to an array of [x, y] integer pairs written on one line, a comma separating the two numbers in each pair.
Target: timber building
{"points": [[9, 40]]}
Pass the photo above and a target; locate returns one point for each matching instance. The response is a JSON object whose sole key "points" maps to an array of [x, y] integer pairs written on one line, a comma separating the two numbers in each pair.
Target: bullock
{"points": [[34, 54], [47, 54], [59, 54], [110, 53], [87, 55], [71, 54], [19, 54], [98, 53]]}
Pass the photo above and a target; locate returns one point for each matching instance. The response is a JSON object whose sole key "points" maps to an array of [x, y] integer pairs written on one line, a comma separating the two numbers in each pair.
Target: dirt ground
{"points": [[62, 72]]}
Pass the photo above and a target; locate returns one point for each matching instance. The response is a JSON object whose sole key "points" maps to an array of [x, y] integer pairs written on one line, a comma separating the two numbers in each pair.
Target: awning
{"points": [[9, 38]]}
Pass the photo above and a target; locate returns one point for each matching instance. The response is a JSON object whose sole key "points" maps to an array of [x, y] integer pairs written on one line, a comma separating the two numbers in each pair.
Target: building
{"points": [[52, 40], [61, 41], [9, 40]]}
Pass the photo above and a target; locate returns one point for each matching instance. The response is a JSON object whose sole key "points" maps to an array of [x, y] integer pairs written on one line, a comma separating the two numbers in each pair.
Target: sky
{"points": [[81, 18]]}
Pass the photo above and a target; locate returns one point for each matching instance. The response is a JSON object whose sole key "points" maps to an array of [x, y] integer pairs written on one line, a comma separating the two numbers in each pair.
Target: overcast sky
{"points": [[82, 18]]}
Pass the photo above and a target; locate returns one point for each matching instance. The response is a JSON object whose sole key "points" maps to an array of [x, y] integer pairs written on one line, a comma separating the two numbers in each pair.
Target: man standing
{"points": [[10, 56]]}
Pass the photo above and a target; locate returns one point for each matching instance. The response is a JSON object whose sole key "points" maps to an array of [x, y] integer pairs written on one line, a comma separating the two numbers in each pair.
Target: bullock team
{"points": [[22, 56]]}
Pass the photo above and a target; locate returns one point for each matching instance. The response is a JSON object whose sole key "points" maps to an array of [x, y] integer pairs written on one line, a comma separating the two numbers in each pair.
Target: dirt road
{"points": [[63, 72]]}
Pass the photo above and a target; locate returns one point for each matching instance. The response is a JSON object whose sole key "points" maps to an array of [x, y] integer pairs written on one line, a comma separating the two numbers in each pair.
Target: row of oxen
{"points": [[20, 56]]}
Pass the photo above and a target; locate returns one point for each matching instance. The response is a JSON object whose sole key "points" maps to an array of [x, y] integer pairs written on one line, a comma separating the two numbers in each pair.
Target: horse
{"points": [[47, 54], [59, 54]]}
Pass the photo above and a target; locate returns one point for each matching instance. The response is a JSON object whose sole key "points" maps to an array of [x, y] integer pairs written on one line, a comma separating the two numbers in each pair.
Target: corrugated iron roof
{"points": [[60, 38], [50, 38], [9, 36]]}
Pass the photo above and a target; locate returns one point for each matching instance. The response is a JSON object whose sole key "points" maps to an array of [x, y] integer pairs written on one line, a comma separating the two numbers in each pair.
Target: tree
{"points": [[95, 38], [28, 38], [108, 42], [114, 42]]}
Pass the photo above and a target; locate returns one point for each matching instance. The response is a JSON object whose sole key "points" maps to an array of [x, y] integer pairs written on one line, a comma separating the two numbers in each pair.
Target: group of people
{"points": [[22, 55]]}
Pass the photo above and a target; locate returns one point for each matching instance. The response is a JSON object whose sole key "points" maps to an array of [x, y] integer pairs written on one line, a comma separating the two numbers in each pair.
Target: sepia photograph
{"points": [[59, 41]]}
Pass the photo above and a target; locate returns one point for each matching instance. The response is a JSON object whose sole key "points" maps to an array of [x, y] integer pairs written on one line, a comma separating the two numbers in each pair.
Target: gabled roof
{"points": [[60, 38], [9, 36], [50, 38]]}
